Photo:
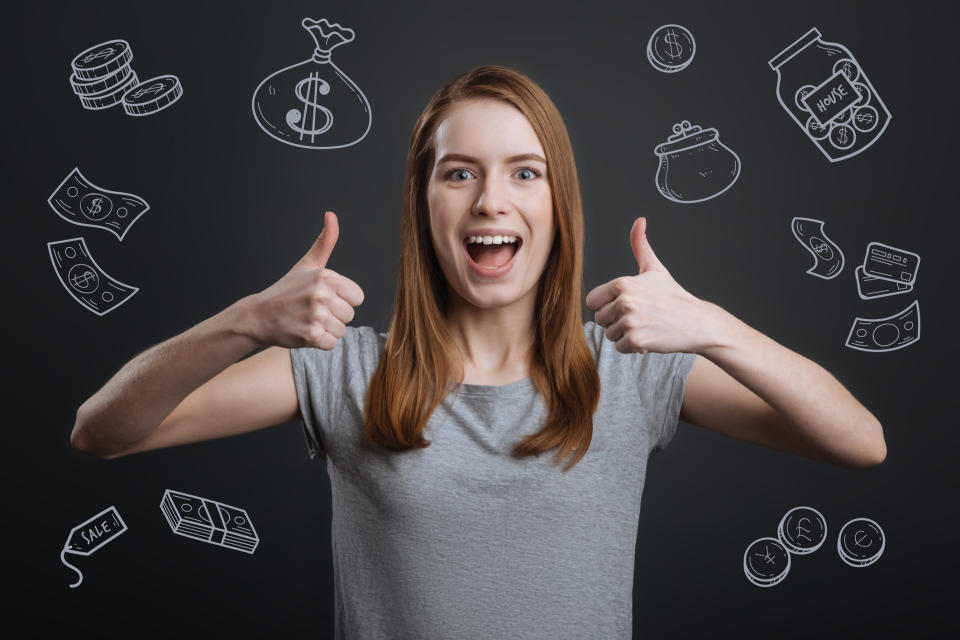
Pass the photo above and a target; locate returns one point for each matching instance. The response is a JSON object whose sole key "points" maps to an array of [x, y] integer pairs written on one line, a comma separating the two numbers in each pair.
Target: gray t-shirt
{"points": [[461, 540]]}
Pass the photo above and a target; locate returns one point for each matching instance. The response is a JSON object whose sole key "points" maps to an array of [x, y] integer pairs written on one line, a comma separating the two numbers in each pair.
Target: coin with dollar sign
{"points": [[671, 48]]}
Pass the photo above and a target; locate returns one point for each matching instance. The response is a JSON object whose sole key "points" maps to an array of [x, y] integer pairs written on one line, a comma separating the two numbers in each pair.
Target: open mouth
{"points": [[492, 256]]}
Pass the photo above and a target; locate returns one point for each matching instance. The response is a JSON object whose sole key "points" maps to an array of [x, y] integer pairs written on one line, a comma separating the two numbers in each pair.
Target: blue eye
{"points": [[529, 172], [457, 172]]}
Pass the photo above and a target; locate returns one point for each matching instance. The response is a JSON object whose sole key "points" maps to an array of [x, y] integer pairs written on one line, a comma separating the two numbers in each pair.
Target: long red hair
{"points": [[421, 363]]}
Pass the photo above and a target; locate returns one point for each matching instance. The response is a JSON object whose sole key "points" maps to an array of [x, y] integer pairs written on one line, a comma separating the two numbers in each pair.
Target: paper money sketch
{"points": [[209, 521], [87, 537], [828, 258], [886, 334], [313, 104], [79, 201], [83, 278], [694, 164]]}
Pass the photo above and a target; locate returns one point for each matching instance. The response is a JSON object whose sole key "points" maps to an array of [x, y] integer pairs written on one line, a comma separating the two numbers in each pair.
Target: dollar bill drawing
{"points": [[88, 536], [209, 521], [79, 201], [83, 278], [886, 334], [827, 255]]}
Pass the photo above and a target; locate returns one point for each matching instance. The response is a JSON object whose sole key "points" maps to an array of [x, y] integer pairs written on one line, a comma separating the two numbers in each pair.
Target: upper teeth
{"points": [[491, 239]]}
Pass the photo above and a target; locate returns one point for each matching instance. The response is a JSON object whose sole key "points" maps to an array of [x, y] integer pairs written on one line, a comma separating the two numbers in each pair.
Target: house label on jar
{"points": [[831, 98]]}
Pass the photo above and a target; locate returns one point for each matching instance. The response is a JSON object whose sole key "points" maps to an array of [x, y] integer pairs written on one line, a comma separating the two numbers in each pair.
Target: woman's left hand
{"points": [[650, 311]]}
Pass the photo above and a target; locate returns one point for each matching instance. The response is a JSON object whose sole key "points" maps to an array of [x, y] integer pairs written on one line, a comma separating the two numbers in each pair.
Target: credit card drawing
{"points": [[209, 521], [884, 261]]}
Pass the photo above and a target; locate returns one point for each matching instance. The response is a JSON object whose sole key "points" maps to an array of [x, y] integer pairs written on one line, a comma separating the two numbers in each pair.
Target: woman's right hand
{"points": [[311, 305]]}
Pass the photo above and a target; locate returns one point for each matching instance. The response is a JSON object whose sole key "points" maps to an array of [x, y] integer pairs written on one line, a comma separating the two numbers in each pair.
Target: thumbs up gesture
{"points": [[649, 311], [311, 305]]}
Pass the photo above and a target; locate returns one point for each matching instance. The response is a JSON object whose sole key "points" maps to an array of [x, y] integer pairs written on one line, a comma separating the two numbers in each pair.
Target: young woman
{"points": [[473, 532]]}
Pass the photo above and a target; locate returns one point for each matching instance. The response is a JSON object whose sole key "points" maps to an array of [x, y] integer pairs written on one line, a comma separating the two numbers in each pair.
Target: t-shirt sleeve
{"points": [[664, 376], [322, 378]]}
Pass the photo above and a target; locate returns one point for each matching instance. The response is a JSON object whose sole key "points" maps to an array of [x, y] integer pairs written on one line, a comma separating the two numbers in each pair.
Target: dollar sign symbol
{"points": [[842, 135], [156, 87], [674, 48], [103, 53], [94, 207], [305, 122]]}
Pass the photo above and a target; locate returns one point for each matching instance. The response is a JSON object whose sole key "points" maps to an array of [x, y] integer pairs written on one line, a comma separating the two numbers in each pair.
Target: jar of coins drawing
{"points": [[313, 104], [826, 92]]}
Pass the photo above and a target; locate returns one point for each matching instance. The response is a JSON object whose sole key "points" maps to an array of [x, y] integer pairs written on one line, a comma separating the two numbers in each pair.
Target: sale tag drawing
{"points": [[87, 537]]}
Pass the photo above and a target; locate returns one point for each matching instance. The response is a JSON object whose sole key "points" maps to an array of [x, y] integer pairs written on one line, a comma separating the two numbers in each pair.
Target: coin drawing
{"points": [[80, 202], [671, 48], [313, 104], [766, 562], [209, 521], [151, 96], [802, 530], [861, 542], [83, 278], [88, 536], [886, 334], [828, 258], [102, 77], [694, 165]]}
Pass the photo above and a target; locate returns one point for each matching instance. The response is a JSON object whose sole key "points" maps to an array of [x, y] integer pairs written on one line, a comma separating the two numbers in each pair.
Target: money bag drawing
{"points": [[694, 164], [313, 104]]}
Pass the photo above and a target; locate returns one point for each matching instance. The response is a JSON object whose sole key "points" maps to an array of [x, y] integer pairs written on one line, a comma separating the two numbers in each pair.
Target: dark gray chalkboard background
{"points": [[232, 210]]}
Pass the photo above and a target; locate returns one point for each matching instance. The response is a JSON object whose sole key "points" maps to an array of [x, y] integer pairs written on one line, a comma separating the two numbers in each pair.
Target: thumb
{"points": [[642, 251], [322, 247]]}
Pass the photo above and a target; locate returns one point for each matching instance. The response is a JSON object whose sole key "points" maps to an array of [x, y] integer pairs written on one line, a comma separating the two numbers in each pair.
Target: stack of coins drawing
{"points": [[102, 77]]}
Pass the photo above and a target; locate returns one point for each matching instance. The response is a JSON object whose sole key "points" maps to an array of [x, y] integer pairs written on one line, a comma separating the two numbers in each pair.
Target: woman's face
{"points": [[489, 179]]}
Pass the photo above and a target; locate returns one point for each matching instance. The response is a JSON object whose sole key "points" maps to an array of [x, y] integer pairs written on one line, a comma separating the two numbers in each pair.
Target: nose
{"points": [[494, 197]]}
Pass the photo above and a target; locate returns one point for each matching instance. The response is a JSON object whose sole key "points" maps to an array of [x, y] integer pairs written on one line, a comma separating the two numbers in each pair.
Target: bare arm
{"points": [[191, 388], [749, 387], [156, 400]]}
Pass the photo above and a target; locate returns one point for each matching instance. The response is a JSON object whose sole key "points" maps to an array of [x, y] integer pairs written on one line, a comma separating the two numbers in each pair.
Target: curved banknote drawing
{"points": [[827, 255], [209, 521], [886, 334], [312, 104], [79, 201], [694, 164], [87, 537], [83, 278]]}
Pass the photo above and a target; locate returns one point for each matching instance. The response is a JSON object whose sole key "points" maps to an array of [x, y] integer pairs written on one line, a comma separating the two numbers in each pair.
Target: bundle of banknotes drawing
{"points": [[886, 271], [80, 202]]}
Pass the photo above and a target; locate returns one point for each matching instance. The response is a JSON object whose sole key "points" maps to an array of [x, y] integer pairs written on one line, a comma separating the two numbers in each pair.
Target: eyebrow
{"points": [[459, 157]]}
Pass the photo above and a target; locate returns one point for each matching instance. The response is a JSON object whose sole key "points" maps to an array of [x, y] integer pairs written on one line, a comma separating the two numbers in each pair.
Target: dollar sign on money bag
{"points": [[313, 104]]}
